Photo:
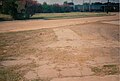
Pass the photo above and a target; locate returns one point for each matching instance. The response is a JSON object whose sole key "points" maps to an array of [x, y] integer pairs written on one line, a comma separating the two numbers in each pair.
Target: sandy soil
{"points": [[71, 51], [38, 24]]}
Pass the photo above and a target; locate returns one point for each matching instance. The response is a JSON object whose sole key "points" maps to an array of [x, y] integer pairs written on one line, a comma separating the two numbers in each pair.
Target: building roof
{"points": [[70, 3]]}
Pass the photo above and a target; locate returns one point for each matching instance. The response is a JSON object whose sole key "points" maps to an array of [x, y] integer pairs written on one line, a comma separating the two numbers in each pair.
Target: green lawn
{"points": [[67, 15], [5, 17], [59, 15]]}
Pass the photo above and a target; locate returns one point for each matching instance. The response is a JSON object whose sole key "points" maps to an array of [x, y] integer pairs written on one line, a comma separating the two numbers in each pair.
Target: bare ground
{"points": [[9, 26], [73, 52]]}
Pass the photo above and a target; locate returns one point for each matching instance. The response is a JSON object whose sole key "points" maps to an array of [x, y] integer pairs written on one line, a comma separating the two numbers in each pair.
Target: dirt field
{"points": [[82, 49], [10, 26]]}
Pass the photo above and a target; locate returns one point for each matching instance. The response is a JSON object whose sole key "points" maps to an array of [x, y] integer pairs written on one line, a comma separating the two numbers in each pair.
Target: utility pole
{"points": [[83, 6], [89, 5], [107, 6]]}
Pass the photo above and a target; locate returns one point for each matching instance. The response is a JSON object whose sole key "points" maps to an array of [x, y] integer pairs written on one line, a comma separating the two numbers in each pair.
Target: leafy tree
{"points": [[19, 9], [56, 8], [39, 8], [46, 8]]}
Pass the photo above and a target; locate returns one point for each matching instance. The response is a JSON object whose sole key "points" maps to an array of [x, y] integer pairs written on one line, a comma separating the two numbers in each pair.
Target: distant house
{"points": [[79, 8], [113, 7], [98, 7], [86, 7], [71, 4]]}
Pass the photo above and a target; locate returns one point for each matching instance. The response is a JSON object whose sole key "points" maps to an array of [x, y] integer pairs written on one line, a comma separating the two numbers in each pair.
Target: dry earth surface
{"points": [[82, 49]]}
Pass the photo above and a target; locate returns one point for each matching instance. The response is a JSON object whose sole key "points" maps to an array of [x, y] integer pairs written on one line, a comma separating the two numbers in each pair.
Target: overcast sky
{"points": [[75, 1]]}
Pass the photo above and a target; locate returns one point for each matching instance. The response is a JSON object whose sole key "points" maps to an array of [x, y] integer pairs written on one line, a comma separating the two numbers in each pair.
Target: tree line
{"points": [[26, 8], [55, 8]]}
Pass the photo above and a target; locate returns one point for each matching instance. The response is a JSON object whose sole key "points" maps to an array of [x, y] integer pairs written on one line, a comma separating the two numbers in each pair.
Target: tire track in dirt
{"points": [[67, 37]]}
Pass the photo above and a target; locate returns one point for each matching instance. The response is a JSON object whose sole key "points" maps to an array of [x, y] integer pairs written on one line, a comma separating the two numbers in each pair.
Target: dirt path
{"points": [[65, 34], [113, 22], [67, 37], [11, 26]]}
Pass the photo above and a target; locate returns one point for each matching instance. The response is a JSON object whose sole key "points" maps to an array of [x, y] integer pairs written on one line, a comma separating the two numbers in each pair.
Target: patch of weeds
{"points": [[8, 75], [2, 58], [3, 43], [36, 80], [5, 57], [106, 70], [41, 79], [110, 69], [96, 70]]}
